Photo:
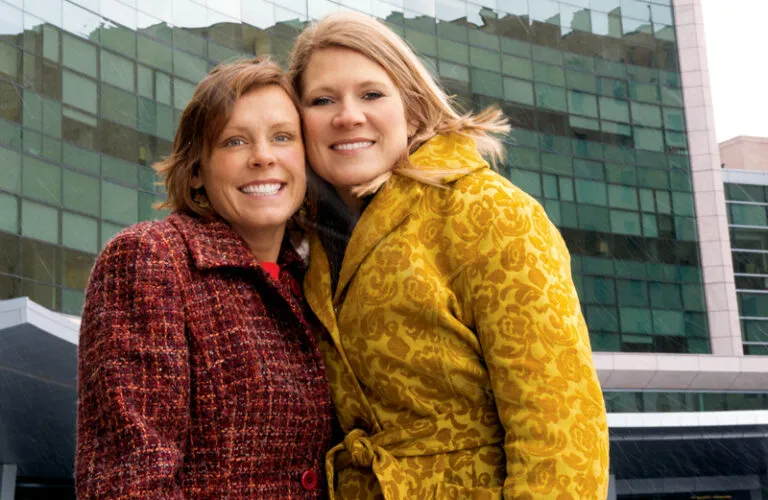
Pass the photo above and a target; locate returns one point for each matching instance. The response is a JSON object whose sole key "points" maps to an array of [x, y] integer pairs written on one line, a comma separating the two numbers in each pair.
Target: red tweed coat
{"points": [[199, 376]]}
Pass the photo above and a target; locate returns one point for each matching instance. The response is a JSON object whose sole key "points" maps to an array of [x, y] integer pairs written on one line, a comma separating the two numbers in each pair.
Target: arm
{"points": [[536, 347], [133, 406]]}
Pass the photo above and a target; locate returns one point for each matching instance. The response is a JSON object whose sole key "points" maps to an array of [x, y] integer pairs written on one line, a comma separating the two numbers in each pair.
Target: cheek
{"points": [[313, 126]]}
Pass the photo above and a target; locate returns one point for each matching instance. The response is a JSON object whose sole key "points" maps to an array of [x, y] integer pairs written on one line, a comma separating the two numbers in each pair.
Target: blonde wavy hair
{"points": [[428, 108], [203, 120]]}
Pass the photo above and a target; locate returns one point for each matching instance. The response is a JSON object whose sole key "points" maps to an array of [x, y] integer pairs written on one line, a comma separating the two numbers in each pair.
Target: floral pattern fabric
{"points": [[458, 358]]}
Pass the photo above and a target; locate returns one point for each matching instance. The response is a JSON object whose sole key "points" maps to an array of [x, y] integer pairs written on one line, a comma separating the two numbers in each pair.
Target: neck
{"points": [[264, 243], [353, 202]]}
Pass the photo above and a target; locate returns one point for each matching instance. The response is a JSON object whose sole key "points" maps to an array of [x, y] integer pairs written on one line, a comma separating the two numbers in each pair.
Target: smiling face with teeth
{"points": [[254, 174], [355, 128]]}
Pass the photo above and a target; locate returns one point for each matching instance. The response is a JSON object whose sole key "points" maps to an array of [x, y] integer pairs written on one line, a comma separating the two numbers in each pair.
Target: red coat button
{"points": [[309, 480]]}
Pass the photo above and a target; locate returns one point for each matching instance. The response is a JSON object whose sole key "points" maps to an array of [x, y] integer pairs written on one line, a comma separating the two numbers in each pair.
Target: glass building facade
{"points": [[748, 224], [91, 90]]}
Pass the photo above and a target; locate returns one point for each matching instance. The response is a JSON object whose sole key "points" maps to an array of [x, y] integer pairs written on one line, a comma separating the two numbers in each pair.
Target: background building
{"points": [[613, 134]]}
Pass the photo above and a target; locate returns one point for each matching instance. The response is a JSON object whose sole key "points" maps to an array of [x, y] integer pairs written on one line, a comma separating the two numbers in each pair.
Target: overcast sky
{"points": [[736, 34]]}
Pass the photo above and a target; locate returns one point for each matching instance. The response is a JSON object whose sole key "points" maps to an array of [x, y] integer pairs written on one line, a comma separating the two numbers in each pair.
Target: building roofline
{"points": [[744, 138], [688, 372], [20, 311]]}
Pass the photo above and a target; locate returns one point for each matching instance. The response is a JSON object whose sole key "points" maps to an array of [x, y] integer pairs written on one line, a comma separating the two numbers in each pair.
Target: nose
{"points": [[262, 154], [349, 114]]}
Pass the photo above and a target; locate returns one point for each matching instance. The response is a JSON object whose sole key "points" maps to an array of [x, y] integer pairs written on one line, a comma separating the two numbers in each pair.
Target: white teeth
{"points": [[261, 189], [353, 145]]}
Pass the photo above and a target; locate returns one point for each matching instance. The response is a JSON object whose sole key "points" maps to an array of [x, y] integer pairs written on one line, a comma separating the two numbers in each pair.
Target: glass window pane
{"points": [[182, 93], [9, 214], [79, 233], [550, 97], [81, 192], [118, 203], [651, 139], [79, 92], [622, 197], [117, 70], [485, 59], [118, 106], [10, 170], [162, 88], [668, 322], [748, 215], [487, 83], [518, 91], [547, 73], [530, 182], [79, 55], [588, 191], [635, 320], [623, 222], [41, 180], [517, 67], [744, 192], [119, 39], [154, 53], [188, 66], [594, 218], [614, 109], [39, 221], [582, 104]]}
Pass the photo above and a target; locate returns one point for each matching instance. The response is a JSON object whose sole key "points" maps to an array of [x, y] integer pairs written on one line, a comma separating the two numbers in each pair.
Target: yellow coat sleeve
{"points": [[536, 347]]}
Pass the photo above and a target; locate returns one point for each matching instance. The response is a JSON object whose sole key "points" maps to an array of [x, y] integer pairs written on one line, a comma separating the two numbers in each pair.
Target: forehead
{"points": [[335, 65], [270, 103]]}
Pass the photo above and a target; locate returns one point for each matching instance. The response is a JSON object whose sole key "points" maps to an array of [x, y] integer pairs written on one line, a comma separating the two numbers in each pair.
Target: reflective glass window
{"points": [[9, 214], [39, 221], [80, 92], [117, 70], [41, 180], [487, 83], [81, 192], [748, 215], [118, 203], [10, 170], [79, 233], [518, 91]]}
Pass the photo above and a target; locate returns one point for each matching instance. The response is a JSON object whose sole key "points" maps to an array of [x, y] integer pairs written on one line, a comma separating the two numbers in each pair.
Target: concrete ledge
{"points": [[631, 371]]}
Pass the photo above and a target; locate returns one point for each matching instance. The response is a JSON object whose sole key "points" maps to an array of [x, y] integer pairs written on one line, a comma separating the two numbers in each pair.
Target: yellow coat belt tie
{"points": [[428, 436]]}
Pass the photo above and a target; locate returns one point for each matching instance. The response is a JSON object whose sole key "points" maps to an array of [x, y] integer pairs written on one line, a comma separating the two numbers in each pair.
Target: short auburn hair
{"points": [[203, 120]]}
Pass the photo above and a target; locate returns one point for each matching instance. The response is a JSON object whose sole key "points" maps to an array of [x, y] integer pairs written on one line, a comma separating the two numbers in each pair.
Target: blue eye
{"points": [[283, 138], [372, 96], [320, 101], [234, 141]]}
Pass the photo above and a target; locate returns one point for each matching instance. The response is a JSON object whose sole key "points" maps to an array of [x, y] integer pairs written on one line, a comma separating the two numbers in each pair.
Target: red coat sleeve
{"points": [[133, 407]]}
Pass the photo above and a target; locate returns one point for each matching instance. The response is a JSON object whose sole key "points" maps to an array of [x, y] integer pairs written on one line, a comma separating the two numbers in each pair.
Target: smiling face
{"points": [[355, 127], [254, 175]]}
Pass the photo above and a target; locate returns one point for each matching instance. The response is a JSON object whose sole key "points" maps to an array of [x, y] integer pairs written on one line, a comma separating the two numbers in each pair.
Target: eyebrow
{"points": [[366, 83], [278, 125]]}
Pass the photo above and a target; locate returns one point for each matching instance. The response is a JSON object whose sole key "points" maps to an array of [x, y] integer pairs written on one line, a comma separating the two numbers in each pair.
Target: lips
{"points": [[262, 188], [352, 146]]}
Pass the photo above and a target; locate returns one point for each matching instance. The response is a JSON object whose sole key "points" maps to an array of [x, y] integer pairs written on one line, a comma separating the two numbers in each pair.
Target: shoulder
{"points": [[144, 243], [479, 194]]}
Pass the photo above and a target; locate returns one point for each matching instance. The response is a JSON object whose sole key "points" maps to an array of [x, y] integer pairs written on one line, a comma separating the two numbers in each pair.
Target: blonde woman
{"points": [[458, 358]]}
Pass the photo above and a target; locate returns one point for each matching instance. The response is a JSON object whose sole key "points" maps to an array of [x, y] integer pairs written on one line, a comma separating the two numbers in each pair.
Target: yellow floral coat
{"points": [[458, 358]]}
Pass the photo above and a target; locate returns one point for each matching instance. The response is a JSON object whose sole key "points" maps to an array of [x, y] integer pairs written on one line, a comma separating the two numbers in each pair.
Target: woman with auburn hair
{"points": [[458, 358], [199, 374]]}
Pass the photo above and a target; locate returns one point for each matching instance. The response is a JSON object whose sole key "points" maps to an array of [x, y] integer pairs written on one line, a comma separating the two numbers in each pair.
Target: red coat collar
{"points": [[213, 244]]}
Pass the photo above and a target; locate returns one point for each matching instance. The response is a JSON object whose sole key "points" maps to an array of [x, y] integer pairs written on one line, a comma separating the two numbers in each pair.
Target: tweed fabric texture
{"points": [[458, 358], [199, 375]]}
